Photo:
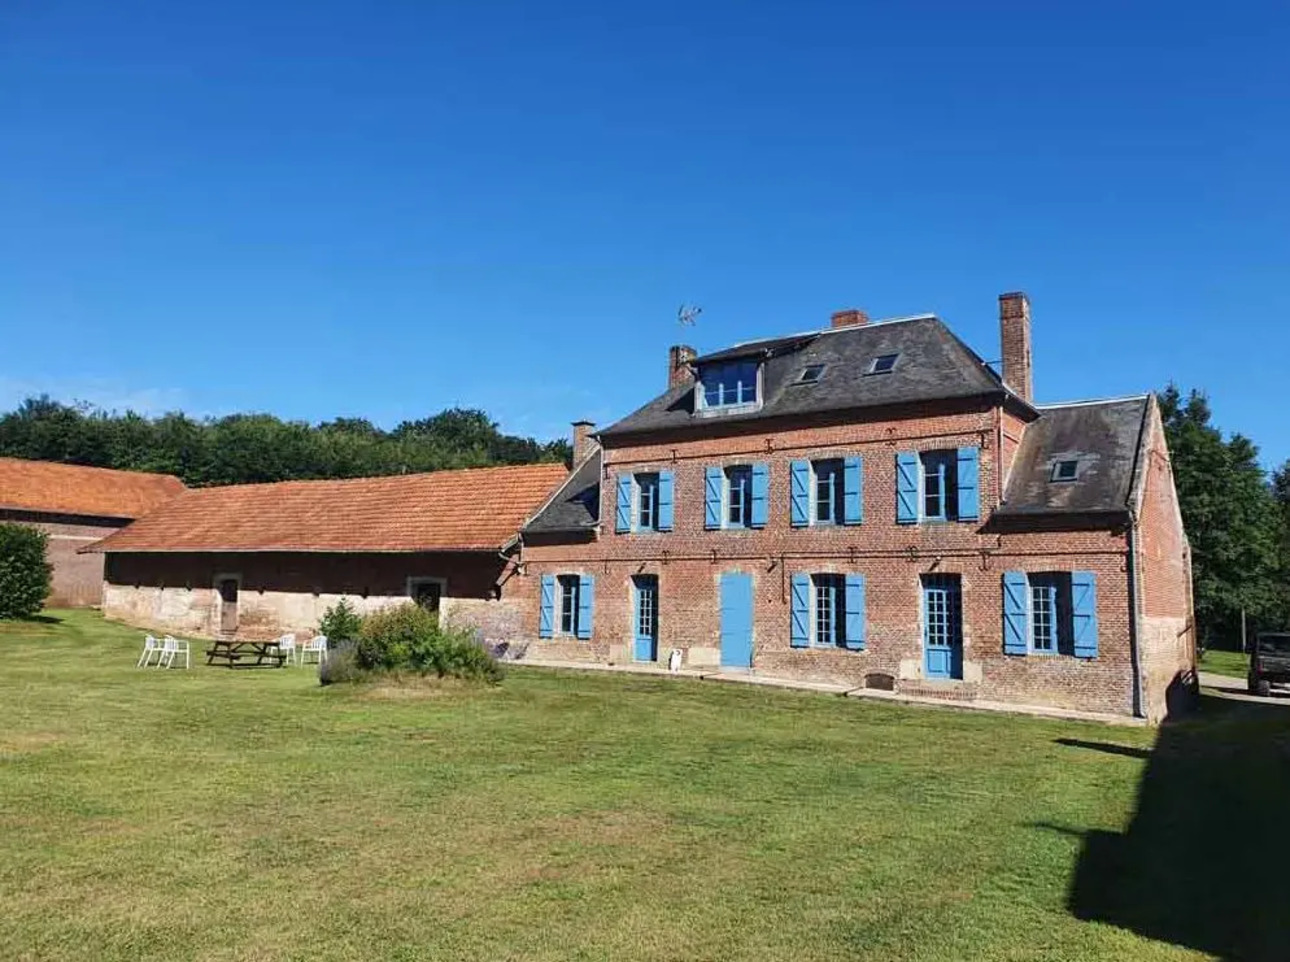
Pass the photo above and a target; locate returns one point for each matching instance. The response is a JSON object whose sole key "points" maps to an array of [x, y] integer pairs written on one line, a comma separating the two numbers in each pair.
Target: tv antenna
{"points": [[687, 314]]}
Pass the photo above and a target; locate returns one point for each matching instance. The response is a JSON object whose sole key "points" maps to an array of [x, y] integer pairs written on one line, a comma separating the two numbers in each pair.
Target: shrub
{"points": [[340, 622], [340, 666], [409, 638], [399, 637], [24, 572]]}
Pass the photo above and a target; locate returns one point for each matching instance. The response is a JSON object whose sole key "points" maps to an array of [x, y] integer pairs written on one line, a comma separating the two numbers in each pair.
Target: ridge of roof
{"points": [[1058, 405], [880, 322]]}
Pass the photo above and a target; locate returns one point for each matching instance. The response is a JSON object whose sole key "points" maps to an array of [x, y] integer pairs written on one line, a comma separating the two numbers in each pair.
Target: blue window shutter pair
{"points": [[800, 619], [852, 491], [1016, 613], [799, 489], [546, 610], [665, 501], [623, 514], [713, 483], [969, 484], [1084, 613], [760, 494], [586, 605], [856, 628], [907, 470]]}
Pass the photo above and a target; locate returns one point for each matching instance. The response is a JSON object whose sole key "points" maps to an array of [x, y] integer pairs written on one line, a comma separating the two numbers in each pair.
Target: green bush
{"points": [[24, 572], [409, 638], [340, 622]]}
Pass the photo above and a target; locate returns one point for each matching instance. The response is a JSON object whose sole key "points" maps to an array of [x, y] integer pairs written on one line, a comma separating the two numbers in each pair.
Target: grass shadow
{"points": [[1199, 865]]}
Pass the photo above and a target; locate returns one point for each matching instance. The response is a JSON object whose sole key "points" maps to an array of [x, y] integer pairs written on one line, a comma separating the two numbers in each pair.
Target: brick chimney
{"points": [[849, 318], [1014, 332], [679, 357], [582, 440]]}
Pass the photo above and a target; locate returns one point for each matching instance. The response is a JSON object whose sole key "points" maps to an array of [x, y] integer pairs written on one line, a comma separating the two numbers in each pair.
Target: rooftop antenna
{"points": [[687, 314]]}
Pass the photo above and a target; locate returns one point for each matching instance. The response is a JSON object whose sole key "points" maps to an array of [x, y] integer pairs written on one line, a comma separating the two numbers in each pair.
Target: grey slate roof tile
{"points": [[933, 365], [1103, 436]]}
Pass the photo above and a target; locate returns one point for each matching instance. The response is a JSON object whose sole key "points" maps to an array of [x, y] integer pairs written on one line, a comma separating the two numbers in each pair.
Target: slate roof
{"points": [[575, 506], [56, 488], [933, 365], [473, 510], [1103, 436]]}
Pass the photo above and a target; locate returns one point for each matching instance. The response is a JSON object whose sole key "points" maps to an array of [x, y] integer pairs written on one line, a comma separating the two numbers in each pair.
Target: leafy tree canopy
{"points": [[244, 448]]}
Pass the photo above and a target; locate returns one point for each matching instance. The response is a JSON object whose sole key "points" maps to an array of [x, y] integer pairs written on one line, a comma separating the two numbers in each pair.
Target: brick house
{"points": [[873, 504], [77, 506], [256, 560]]}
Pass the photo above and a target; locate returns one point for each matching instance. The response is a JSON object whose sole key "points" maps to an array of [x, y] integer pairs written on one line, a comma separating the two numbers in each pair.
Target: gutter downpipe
{"points": [[1135, 625]]}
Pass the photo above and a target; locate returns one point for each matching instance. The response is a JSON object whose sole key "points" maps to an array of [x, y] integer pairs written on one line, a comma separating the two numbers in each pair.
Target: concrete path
{"points": [[1236, 688], [749, 677]]}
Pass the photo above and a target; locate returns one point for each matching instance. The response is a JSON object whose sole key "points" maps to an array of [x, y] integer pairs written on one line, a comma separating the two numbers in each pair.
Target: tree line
{"points": [[1237, 518], [247, 448], [1237, 515]]}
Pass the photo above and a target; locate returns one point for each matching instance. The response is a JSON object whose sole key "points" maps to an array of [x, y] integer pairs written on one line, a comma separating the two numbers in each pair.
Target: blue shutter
{"points": [[623, 516], [665, 501], [1084, 613], [546, 609], [852, 491], [799, 489], [800, 622], [1016, 613], [857, 630], [586, 605], [907, 487], [712, 485], [760, 494], [969, 484]]}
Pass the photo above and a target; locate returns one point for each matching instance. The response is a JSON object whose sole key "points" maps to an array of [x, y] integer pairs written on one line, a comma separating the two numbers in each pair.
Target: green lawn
{"points": [[217, 815], [1220, 662]]}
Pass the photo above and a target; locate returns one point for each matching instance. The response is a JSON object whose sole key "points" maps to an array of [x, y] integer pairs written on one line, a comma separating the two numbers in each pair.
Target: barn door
{"points": [[228, 589]]}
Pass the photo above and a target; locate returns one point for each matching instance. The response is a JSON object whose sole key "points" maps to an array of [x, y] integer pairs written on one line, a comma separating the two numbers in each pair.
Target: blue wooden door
{"points": [[736, 620], [942, 626], [646, 617]]}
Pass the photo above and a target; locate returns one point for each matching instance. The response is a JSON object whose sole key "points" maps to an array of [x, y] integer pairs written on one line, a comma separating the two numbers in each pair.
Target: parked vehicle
{"points": [[1269, 662]]}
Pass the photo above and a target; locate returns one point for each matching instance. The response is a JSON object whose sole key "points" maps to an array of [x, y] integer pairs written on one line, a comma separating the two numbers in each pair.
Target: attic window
{"points": [[811, 374], [883, 364], [1065, 471]]}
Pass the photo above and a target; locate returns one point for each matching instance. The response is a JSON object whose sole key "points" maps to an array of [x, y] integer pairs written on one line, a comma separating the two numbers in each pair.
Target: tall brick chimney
{"points": [[582, 440], [849, 318], [679, 357], [1014, 332]]}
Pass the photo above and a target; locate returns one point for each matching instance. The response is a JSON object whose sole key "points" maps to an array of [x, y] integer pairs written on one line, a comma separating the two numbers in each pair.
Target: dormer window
{"points": [[1065, 471], [811, 374], [883, 364], [729, 385]]}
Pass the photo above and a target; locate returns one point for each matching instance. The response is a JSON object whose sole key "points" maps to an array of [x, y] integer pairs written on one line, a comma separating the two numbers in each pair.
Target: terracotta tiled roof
{"points": [[472, 510], [75, 489]]}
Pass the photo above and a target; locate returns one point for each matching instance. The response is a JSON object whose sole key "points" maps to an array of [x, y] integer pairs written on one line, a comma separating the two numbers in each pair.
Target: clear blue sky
{"points": [[382, 209]]}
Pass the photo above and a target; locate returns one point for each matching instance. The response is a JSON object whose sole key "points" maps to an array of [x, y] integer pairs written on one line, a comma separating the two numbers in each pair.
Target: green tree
{"points": [[24, 572], [1231, 519]]}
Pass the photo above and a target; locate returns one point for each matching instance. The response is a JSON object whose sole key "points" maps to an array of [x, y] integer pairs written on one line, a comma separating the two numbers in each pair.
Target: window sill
{"points": [[727, 409]]}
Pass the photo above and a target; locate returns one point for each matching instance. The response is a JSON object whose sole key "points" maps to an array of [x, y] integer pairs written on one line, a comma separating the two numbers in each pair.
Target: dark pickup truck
{"points": [[1269, 662]]}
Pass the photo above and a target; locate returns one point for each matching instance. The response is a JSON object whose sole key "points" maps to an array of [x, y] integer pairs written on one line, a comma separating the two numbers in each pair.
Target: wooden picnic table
{"points": [[245, 654]]}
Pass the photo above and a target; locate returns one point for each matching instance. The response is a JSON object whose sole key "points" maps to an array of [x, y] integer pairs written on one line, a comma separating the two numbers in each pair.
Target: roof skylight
{"points": [[883, 364], [1065, 471]]}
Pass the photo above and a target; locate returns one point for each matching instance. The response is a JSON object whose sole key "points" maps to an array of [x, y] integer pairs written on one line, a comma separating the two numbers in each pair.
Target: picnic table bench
{"points": [[245, 654]]}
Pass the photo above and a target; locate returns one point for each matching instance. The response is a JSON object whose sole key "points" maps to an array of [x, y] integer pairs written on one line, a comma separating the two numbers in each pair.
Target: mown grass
{"points": [[1233, 663], [221, 815]]}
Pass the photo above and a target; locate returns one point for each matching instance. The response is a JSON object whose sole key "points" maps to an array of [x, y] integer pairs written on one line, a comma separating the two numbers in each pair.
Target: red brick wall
{"points": [[689, 560], [1164, 568]]}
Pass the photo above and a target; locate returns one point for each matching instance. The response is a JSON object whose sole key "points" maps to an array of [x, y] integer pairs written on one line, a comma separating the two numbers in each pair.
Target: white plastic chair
{"points": [[287, 645], [170, 648], [150, 646], [316, 645]]}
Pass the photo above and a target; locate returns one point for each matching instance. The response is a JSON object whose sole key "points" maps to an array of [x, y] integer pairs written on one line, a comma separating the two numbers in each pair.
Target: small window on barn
{"points": [[1065, 471], [811, 374], [883, 364]]}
